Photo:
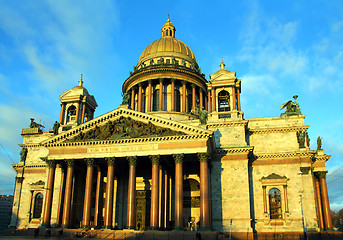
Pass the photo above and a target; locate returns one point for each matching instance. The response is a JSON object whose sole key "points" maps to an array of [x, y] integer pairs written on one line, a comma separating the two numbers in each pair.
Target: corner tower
{"points": [[167, 79], [77, 106]]}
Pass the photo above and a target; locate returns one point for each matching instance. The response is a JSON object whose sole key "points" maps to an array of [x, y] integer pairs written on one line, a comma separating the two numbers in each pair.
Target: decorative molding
{"points": [[178, 158], [132, 160]]}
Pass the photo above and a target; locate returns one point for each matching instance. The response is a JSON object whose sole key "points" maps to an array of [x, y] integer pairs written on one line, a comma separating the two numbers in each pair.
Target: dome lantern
{"points": [[168, 29]]}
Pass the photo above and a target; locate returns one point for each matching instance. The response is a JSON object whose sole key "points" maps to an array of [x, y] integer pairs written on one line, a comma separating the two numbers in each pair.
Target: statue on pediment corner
{"points": [[319, 143], [126, 98], [203, 115]]}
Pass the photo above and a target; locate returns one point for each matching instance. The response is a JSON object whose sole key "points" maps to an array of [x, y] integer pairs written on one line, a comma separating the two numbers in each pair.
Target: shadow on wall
{"points": [[216, 193]]}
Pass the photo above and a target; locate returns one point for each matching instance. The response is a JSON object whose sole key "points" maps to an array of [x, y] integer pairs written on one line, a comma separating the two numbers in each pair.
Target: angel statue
{"points": [[319, 143], [203, 114], [292, 108], [126, 98]]}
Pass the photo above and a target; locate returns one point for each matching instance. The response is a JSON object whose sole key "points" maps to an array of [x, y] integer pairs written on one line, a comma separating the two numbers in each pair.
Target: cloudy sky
{"points": [[278, 49]]}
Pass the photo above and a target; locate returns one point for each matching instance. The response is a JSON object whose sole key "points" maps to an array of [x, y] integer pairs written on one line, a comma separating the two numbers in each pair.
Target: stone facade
{"points": [[177, 154]]}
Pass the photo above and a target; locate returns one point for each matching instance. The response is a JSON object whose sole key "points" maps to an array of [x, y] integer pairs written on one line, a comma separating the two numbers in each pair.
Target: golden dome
{"points": [[167, 46]]}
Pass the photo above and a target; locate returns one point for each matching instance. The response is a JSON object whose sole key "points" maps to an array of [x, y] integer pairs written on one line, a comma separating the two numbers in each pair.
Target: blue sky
{"points": [[277, 48]]}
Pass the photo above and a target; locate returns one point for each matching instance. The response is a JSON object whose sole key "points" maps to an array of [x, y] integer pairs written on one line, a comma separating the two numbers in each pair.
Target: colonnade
{"points": [[323, 206], [167, 95], [156, 214]]}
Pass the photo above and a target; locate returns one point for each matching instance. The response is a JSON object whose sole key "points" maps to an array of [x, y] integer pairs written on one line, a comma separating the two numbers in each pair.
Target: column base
{"points": [[64, 226], [86, 226], [205, 229], [107, 227], [153, 228], [43, 225], [131, 227], [176, 228]]}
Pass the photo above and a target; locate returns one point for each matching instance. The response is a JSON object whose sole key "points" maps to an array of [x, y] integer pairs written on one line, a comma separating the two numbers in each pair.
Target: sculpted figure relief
{"points": [[124, 128]]}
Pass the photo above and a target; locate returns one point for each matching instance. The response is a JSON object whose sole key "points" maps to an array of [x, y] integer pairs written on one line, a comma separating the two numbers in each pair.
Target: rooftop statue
{"points": [[203, 114], [33, 124], [126, 98], [292, 108], [55, 127], [319, 143]]}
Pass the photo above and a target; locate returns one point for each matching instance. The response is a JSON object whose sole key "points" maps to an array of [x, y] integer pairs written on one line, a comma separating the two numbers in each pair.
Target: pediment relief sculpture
{"points": [[124, 127]]}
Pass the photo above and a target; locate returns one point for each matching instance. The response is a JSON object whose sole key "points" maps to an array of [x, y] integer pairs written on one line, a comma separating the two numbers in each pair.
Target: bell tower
{"points": [[224, 91], [77, 106]]}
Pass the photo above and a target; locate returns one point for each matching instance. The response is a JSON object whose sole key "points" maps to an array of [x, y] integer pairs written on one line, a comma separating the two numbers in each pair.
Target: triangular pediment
{"points": [[223, 76], [123, 123]]}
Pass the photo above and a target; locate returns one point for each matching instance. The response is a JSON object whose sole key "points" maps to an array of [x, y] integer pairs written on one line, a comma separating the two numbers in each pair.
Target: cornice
{"points": [[279, 130], [190, 130], [227, 124], [19, 166], [308, 154], [130, 140], [323, 158], [234, 150]]}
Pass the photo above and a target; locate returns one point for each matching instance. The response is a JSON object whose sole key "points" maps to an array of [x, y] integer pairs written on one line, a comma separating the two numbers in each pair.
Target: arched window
{"points": [[155, 101], [38, 205], [223, 101], [177, 100], [71, 113], [275, 203]]}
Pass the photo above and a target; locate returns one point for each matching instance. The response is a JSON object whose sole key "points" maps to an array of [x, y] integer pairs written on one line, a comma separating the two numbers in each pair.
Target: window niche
{"points": [[275, 201]]}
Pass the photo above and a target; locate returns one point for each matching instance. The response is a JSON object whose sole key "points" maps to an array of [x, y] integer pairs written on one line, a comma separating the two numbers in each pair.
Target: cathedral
{"points": [[177, 154]]}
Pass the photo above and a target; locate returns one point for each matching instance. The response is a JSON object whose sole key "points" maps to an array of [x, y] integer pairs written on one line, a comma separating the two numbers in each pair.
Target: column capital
{"points": [[155, 159], [89, 162], [203, 157], [70, 162], [19, 179], [184, 82], [110, 161], [305, 170], [160, 80], [178, 158], [132, 160], [322, 174], [193, 85], [172, 80], [51, 163]]}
